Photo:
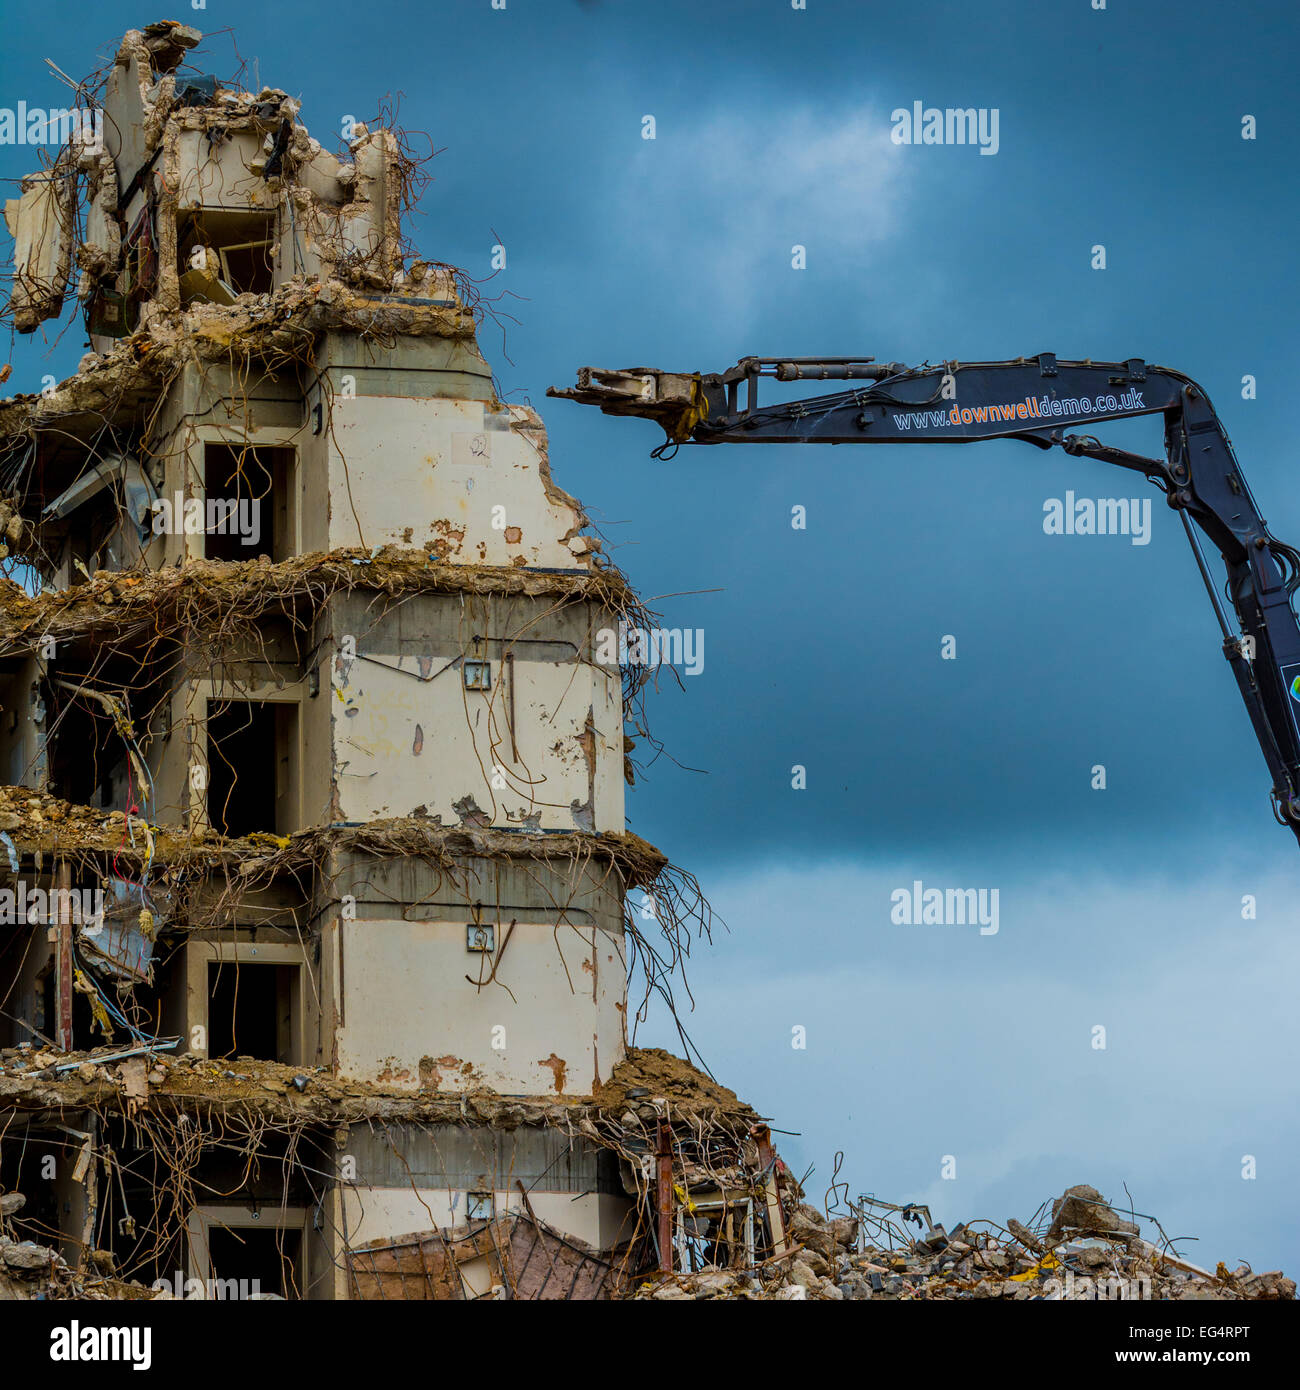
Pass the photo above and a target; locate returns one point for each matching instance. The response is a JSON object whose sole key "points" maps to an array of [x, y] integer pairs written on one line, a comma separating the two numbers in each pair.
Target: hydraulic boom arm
{"points": [[1035, 399]]}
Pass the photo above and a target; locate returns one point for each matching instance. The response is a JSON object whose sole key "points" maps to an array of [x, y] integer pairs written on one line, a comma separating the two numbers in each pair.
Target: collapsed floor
{"points": [[666, 1127]]}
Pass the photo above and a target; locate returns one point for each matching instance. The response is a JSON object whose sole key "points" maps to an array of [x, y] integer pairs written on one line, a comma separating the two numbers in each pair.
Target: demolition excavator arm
{"points": [[1035, 399]]}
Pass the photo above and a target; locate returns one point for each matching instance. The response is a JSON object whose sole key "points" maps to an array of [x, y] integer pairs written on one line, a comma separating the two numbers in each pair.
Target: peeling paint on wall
{"points": [[558, 1066]]}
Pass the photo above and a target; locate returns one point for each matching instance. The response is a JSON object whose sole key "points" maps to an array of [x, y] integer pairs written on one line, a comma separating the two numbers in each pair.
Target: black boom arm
{"points": [[1036, 399]]}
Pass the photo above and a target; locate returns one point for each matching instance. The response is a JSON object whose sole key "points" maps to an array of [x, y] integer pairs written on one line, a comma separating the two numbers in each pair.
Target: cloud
{"points": [[716, 202]]}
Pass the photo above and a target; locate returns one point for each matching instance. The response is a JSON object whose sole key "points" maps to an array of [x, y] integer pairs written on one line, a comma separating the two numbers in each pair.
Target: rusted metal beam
{"points": [[664, 1195], [767, 1161]]}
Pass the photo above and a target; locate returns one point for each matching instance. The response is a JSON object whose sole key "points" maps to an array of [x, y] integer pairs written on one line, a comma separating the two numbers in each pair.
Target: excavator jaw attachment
{"points": [[675, 400]]}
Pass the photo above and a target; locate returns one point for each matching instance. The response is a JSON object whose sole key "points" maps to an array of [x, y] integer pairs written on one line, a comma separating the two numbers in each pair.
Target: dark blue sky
{"points": [[1120, 908]]}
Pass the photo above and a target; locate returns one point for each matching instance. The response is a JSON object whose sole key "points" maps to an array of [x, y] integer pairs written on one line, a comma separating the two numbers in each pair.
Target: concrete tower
{"points": [[315, 763]]}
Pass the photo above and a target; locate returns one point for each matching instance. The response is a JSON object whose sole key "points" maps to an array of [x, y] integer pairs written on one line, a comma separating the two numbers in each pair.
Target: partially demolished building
{"points": [[318, 910], [315, 972]]}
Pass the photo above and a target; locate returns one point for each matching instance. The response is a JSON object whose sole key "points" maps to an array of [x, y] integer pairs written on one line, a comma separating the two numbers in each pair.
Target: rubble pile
{"points": [[1087, 1252], [27, 1270], [654, 1075], [30, 1270]]}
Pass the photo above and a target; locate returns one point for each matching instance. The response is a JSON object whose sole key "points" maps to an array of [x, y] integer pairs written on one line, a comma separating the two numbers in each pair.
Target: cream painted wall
{"points": [[403, 742], [408, 1008], [433, 470]]}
